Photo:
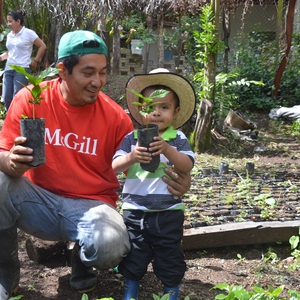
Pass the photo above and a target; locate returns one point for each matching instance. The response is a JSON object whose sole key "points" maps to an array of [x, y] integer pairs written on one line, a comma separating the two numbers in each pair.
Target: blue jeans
{"points": [[95, 225], [12, 83]]}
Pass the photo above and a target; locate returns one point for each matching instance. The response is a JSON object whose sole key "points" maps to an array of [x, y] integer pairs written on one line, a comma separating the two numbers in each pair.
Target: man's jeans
{"points": [[96, 226], [12, 83]]}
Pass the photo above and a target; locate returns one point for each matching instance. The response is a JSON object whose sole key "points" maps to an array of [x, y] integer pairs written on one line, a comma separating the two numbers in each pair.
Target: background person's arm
{"points": [[41, 50]]}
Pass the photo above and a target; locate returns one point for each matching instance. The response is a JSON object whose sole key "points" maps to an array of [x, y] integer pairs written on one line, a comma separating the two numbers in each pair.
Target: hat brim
{"points": [[175, 82]]}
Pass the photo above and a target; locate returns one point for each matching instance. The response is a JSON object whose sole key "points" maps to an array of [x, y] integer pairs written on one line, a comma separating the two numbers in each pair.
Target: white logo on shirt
{"points": [[85, 145]]}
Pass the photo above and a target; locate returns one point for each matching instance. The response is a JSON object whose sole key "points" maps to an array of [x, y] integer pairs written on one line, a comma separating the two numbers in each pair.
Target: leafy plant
{"points": [[86, 297], [237, 292], [155, 297], [36, 90], [146, 108], [16, 297], [267, 203], [295, 246], [270, 256], [133, 27], [296, 125]]}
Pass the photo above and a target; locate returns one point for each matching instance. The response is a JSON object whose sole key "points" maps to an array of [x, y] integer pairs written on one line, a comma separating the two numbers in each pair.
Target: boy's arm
{"points": [[122, 163], [180, 160]]}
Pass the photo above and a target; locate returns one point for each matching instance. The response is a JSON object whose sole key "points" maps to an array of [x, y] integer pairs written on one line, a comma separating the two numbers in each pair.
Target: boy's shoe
{"points": [[131, 289], [172, 291]]}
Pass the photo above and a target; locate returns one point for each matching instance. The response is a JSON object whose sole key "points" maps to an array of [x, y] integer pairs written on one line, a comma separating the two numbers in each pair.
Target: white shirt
{"points": [[19, 47]]}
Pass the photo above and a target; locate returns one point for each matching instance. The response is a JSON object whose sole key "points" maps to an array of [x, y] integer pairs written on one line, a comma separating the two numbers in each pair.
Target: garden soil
{"points": [[244, 265]]}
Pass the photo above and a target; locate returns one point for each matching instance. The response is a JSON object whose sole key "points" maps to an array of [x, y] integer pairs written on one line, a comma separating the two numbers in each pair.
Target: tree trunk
{"points": [[56, 33], [226, 31], [160, 44], [101, 31], [211, 65], [147, 46], [203, 122], [116, 49], [289, 22], [203, 126]]}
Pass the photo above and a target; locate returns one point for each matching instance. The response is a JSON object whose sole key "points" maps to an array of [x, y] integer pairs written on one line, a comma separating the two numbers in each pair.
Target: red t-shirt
{"points": [[80, 143]]}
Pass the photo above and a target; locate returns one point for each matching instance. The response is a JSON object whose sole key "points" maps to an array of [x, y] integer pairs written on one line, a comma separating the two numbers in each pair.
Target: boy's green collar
{"points": [[169, 134]]}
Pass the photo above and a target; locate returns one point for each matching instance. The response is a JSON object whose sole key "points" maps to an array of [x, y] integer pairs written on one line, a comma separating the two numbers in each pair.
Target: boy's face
{"points": [[165, 109]]}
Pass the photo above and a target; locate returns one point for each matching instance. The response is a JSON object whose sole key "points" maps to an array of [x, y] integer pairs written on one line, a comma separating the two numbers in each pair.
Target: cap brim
{"points": [[175, 82]]}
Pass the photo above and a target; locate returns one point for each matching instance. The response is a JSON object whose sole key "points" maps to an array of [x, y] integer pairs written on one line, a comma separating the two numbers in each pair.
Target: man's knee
{"points": [[110, 239]]}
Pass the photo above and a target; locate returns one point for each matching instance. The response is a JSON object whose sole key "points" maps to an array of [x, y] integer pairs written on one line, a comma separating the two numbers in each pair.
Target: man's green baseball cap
{"points": [[80, 42]]}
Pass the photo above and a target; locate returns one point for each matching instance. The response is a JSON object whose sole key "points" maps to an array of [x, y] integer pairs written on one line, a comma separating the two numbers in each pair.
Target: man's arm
{"points": [[13, 162], [180, 182]]}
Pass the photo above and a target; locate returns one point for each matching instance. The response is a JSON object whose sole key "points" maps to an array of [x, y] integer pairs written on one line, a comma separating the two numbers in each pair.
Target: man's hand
{"points": [[13, 162], [180, 182]]}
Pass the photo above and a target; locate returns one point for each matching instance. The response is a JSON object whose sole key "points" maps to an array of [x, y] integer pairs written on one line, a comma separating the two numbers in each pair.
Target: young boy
{"points": [[153, 216]]}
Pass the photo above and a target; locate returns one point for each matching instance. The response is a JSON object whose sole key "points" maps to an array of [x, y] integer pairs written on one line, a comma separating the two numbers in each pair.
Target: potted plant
{"points": [[34, 128], [136, 33], [148, 131]]}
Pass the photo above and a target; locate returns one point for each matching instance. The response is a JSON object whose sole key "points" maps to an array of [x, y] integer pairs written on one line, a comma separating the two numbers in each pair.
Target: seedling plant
{"points": [[295, 246], [237, 292], [146, 106], [36, 90], [155, 297]]}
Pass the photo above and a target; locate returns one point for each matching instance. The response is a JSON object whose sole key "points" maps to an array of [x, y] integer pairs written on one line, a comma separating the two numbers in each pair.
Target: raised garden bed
{"points": [[236, 209]]}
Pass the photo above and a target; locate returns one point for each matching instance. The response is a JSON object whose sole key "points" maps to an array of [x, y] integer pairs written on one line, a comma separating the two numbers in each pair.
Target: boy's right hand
{"points": [[140, 155]]}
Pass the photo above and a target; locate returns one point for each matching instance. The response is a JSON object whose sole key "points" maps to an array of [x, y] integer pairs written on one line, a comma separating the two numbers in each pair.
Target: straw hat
{"points": [[175, 82]]}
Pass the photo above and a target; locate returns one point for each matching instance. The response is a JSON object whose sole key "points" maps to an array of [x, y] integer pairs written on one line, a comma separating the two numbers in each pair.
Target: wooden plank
{"points": [[125, 51], [128, 64], [244, 233]]}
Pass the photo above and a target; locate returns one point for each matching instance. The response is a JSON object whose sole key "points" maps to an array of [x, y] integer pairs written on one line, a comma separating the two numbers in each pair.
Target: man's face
{"points": [[88, 77]]}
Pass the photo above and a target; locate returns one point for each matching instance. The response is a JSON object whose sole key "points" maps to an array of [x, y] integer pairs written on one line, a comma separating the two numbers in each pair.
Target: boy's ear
{"points": [[177, 109]]}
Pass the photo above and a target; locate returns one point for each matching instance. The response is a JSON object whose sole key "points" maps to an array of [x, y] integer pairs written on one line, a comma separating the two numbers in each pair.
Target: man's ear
{"points": [[63, 70]]}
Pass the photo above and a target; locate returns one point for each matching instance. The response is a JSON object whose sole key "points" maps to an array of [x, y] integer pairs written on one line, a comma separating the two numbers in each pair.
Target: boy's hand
{"points": [[158, 147], [140, 155]]}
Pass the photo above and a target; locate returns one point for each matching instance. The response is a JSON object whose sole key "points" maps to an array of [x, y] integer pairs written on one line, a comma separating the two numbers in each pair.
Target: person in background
{"points": [[73, 196], [19, 44], [153, 216]]}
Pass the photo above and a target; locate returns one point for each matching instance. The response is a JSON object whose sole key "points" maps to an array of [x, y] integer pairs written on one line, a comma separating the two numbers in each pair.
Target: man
{"points": [[72, 197]]}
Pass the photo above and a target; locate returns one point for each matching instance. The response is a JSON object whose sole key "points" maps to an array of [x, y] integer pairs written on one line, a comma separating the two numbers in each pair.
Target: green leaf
{"points": [[49, 72], [16, 297], [278, 291], [221, 286], [137, 103], [294, 241], [158, 94], [135, 92], [220, 297]]}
